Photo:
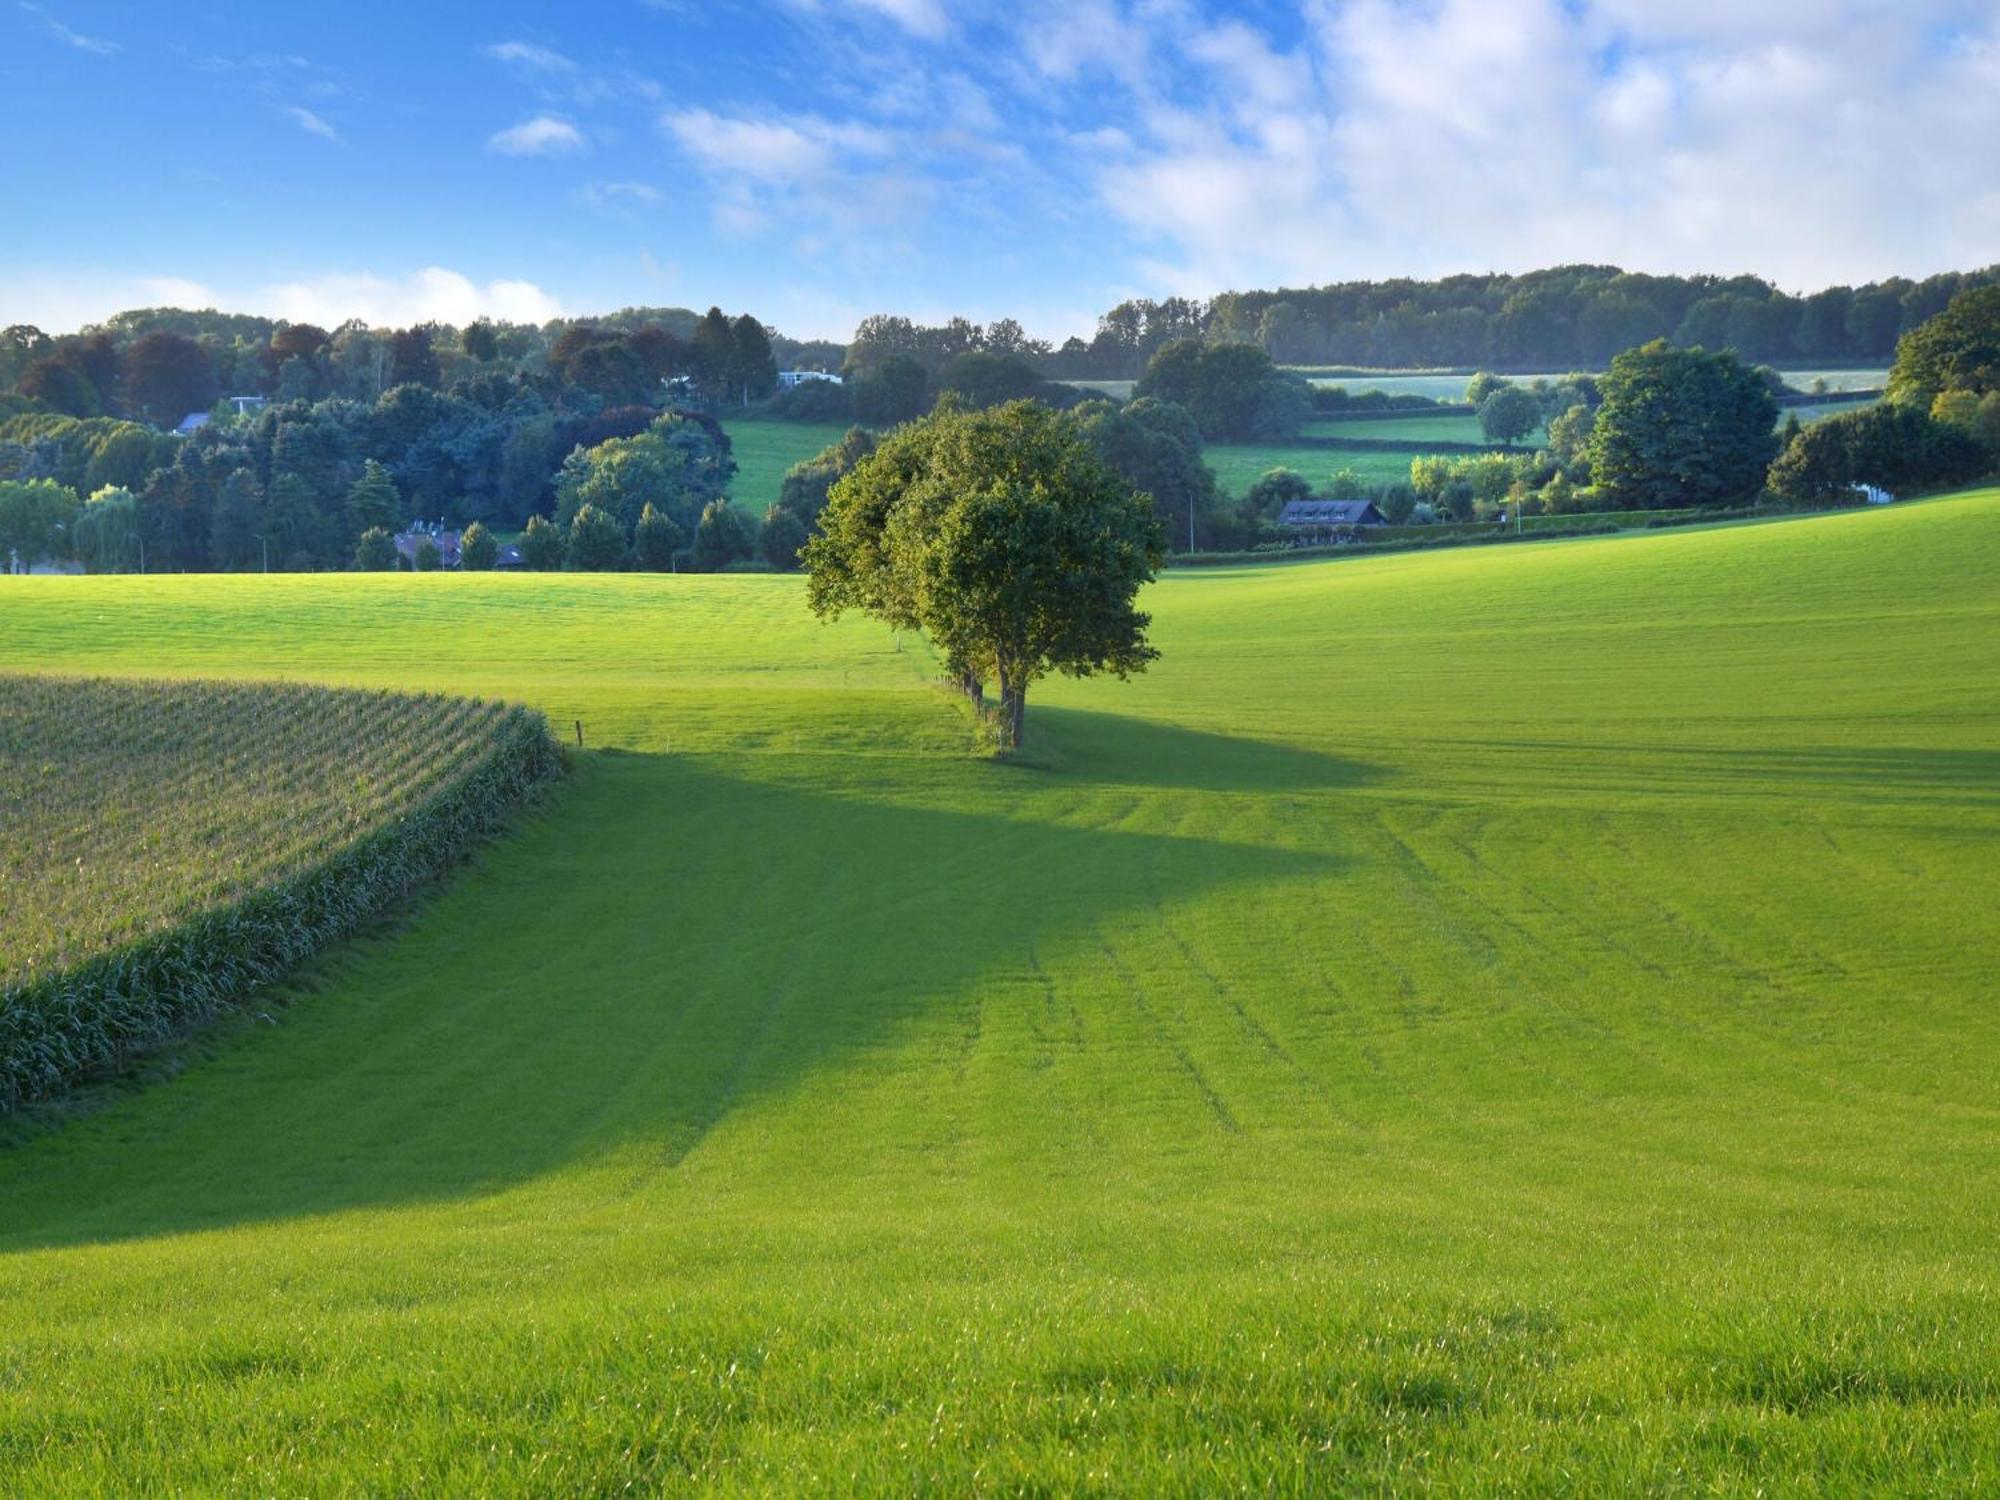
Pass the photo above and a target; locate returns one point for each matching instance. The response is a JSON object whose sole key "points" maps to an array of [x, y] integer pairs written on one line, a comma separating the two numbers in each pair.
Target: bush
{"points": [[427, 558], [655, 540], [812, 401], [596, 541], [377, 551], [477, 549], [541, 545], [1897, 448], [722, 537], [783, 534]]}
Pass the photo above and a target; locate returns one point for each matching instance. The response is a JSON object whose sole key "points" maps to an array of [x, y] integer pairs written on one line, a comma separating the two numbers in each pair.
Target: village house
{"points": [[1311, 521]]}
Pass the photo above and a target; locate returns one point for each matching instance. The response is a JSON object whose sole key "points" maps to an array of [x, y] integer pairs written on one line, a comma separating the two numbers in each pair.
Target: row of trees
{"points": [[159, 366], [1564, 317]]}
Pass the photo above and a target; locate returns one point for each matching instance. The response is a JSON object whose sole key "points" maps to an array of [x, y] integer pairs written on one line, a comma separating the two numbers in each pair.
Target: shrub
{"points": [[427, 558], [596, 541], [783, 534], [541, 545], [477, 549], [377, 551], [655, 540], [722, 537]]}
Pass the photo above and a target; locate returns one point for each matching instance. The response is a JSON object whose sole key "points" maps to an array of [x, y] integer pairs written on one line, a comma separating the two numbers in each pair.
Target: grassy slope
{"points": [[765, 450], [1480, 1019]]}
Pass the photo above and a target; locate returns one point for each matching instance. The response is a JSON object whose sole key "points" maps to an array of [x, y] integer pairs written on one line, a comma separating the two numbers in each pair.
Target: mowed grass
{"points": [[1513, 1020], [1239, 465], [765, 450], [1452, 427]]}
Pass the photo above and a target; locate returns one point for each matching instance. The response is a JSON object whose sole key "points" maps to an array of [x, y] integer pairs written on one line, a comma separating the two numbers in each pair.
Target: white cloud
{"points": [[176, 291], [610, 197], [68, 36], [311, 123], [433, 293], [544, 135], [1400, 139], [774, 151], [921, 18], [64, 300], [531, 56]]}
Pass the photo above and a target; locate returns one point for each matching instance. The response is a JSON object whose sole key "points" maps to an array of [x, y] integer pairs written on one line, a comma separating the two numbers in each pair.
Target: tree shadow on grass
{"points": [[1091, 748], [671, 943]]}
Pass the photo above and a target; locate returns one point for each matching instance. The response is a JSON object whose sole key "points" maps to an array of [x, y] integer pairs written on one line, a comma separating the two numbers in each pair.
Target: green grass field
{"points": [[1507, 1021], [1416, 431], [1239, 465], [765, 450]]}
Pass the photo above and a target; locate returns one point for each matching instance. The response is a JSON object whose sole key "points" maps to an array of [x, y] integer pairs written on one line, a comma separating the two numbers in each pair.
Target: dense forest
{"points": [[1566, 318]]}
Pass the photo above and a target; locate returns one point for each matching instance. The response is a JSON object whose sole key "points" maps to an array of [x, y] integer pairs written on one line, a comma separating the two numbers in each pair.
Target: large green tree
{"points": [[1006, 538], [1681, 427], [1958, 350]]}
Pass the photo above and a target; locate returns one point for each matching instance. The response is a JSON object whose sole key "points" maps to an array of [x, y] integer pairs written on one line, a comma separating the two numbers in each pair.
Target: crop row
{"points": [[167, 847]]}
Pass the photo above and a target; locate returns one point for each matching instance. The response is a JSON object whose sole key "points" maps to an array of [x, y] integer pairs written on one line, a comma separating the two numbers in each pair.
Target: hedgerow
{"points": [[439, 774]]}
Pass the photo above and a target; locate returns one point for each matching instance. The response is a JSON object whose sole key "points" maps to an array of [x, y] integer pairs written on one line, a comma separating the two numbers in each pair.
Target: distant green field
{"points": [[1417, 431], [1513, 1020], [1238, 465], [765, 450]]}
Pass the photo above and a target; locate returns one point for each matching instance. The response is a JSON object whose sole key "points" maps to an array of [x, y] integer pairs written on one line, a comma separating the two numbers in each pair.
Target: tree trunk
{"points": [[972, 687], [1013, 709]]}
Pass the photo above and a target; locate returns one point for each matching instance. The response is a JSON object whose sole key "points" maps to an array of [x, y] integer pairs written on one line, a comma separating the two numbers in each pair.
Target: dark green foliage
{"points": [[372, 500], [1232, 391], [982, 379], [426, 558], [781, 537], [896, 390], [655, 540], [1958, 350], [813, 401], [1894, 447], [375, 552], [806, 485], [236, 541], [168, 375], [106, 534], [412, 360], [58, 385], [680, 463], [1681, 427], [1155, 446], [477, 549], [1509, 414], [35, 520], [541, 545], [1482, 385], [85, 1012], [596, 541], [721, 538], [1273, 491]]}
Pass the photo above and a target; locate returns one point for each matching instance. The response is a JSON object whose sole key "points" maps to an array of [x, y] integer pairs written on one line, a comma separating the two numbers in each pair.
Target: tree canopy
{"points": [[1005, 537], [1681, 427]]}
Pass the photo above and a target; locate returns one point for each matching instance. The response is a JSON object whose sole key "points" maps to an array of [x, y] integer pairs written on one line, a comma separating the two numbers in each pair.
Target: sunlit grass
{"points": [[1485, 1020]]}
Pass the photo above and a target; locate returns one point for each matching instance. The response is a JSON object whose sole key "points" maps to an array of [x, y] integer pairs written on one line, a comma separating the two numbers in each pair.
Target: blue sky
{"points": [[818, 160]]}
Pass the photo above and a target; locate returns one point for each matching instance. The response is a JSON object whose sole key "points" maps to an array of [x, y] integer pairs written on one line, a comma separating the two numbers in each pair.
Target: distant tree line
{"points": [[363, 430]]}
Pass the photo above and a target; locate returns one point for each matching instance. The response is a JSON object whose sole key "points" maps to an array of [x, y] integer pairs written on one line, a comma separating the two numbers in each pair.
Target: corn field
{"points": [[167, 846]]}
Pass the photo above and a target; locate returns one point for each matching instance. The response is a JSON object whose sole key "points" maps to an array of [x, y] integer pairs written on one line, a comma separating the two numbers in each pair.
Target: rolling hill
{"points": [[1494, 1019]]}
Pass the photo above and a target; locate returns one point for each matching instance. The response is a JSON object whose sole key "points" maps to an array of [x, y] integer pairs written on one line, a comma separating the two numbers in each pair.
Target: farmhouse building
{"points": [[789, 378], [1327, 520], [407, 543]]}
